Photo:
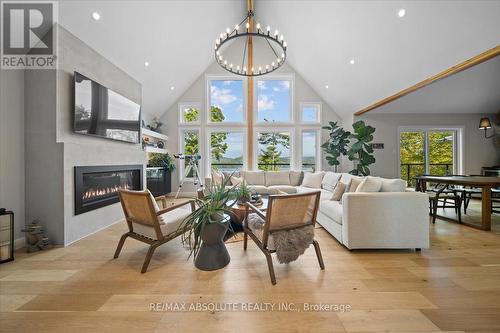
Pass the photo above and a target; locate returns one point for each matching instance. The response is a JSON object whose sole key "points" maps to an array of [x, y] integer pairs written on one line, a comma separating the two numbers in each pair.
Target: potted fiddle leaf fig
{"points": [[203, 230], [361, 151], [337, 144]]}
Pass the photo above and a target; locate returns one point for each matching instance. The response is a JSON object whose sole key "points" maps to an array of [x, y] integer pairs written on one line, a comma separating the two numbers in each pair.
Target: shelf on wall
{"points": [[156, 150], [153, 134]]}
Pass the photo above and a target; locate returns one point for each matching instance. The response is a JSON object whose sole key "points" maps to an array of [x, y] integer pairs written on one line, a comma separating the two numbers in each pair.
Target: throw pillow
{"points": [[217, 177], [312, 180], [393, 185], [296, 178], [236, 180], [355, 181], [338, 192], [370, 184], [330, 180]]}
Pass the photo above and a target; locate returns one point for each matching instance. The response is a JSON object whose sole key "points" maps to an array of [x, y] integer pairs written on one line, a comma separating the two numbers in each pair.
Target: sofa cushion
{"points": [[355, 182], [332, 209], [338, 192], [313, 180], [260, 189], [277, 178], [393, 185], [330, 180], [296, 178], [325, 194], [170, 223], [282, 188], [236, 180], [254, 177], [370, 184]]}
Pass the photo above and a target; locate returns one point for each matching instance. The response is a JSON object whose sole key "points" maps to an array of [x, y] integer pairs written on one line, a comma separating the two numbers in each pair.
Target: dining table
{"points": [[486, 183]]}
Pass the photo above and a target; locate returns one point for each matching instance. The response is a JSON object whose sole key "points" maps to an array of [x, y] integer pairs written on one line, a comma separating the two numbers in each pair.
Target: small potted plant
{"points": [[203, 230], [244, 193]]}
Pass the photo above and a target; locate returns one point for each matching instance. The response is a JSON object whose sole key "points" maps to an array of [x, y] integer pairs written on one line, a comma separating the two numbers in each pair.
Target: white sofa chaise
{"points": [[392, 218]]}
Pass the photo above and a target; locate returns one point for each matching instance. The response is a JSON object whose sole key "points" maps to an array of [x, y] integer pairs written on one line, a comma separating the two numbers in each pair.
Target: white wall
{"points": [[477, 151], [12, 145], [197, 93]]}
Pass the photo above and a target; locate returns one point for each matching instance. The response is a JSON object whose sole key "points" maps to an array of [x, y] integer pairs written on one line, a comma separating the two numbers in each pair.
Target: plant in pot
{"points": [[204, 229], [337, 144], [361, 151], [157, 160], [244, 193]]}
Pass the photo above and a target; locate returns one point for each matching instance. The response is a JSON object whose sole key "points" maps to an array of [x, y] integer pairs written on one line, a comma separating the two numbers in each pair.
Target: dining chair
{"points": [[440, 194], [284, 213], [148, 222]]}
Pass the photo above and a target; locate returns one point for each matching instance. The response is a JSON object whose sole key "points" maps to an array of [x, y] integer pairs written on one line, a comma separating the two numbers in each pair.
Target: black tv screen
{"points": [[100, 111]]}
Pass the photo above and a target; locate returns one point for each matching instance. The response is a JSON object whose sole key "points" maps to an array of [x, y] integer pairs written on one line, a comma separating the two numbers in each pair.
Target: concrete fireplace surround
{"points": [[52, 150]]}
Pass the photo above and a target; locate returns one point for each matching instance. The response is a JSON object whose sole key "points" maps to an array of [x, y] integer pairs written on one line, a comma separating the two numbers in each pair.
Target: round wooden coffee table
{"points": [[239, 210]]}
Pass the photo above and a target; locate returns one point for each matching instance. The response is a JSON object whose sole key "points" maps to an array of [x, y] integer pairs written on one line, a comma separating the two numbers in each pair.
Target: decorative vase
{"points": [[213, 254]]}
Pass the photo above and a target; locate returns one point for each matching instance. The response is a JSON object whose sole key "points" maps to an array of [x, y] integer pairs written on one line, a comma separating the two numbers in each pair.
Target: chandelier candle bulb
{"points": [[282, 38], [276, 33], [258, 27]]}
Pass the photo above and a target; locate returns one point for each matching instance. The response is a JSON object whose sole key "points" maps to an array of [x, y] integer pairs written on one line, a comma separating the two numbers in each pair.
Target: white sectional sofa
{"points": [[391, 218]]}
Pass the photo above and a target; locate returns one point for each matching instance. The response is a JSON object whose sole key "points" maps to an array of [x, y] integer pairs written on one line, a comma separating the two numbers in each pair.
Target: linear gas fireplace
{"points": [[98, 186]]}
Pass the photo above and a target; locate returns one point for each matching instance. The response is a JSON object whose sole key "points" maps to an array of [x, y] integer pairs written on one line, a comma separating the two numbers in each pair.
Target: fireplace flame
{"points": [[96, 193]]}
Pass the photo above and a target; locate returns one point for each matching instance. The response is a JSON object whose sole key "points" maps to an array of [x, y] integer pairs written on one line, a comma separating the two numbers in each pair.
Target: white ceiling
{"points": [[391, 53], [475, 90]]}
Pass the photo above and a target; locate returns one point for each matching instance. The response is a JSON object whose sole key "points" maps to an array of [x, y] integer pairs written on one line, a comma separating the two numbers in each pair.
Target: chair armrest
{"points": [[256, 210], [168, 209]]}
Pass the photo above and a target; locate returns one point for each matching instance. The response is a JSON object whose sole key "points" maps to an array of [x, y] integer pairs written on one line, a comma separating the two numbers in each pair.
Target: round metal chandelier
{"points": [[250, 33]]}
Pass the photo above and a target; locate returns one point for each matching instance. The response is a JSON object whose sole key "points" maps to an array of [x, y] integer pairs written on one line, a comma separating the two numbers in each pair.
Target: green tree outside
{"points": [[412, 154], [271, 154]]}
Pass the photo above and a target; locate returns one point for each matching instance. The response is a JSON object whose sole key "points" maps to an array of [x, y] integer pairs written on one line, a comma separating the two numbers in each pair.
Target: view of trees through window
{"points": [[309, 150], [274, 151], [414, 152]]}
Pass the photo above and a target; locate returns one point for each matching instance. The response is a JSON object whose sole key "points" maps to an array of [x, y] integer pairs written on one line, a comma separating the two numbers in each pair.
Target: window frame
{"points": [[183, 105], [292, 118], [208, 152], [212, 77], [300, 155], [301, 113], [267, 129]]}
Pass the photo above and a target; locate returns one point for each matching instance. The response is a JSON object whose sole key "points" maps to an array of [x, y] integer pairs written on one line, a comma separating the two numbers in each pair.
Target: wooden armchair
{"points": [[149, 223], [284, 213]]}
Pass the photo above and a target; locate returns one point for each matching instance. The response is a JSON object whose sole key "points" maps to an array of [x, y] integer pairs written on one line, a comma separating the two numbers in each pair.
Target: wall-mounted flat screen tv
{"points": [[101, 112]]}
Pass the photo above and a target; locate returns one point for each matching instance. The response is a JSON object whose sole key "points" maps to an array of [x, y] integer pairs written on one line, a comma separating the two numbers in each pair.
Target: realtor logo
{"points": [[28, 34]]}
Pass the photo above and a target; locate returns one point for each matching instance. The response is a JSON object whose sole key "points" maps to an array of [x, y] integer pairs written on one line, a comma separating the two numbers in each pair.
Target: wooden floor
{"points": [[454, 286]]}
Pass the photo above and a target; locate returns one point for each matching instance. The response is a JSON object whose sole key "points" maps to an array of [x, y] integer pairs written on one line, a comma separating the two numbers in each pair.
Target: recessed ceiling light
{"points": [[352, 61], [96, 16], [172, 87], [146, 63], [326, 86], [402, 12]]}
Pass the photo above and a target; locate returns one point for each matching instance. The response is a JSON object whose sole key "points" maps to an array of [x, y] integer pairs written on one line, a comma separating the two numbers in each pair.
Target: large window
{"points": [[225, 100], [432, 151], [309, 150], [274, 100], [227, 150], [284, 138], [274, 150]]}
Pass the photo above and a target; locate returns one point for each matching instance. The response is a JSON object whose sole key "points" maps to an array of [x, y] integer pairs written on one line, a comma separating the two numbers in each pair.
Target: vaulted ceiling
{"points": [[390, 53]]}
